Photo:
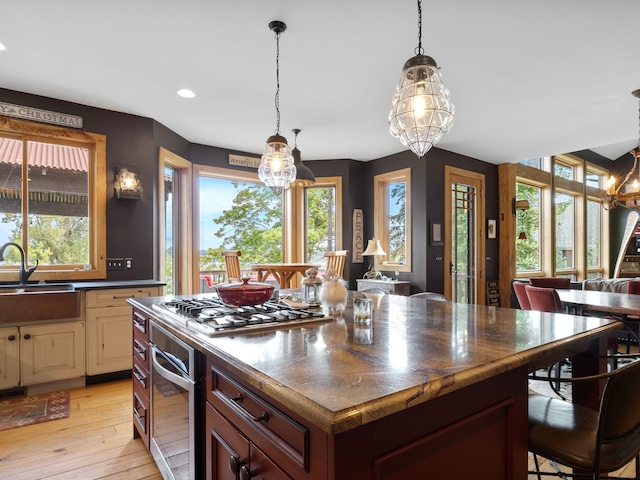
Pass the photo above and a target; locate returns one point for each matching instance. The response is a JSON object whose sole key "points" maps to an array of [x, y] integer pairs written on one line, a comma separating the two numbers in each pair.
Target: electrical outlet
{"points": [[115, 263], [128, 263]]}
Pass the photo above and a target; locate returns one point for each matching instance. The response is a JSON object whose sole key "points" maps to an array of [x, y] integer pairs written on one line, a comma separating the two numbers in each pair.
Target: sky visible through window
{"points": [[215, 196]]}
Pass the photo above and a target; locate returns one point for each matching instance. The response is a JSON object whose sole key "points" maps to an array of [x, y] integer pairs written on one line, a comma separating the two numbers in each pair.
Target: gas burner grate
{"points": [[212, 317]]}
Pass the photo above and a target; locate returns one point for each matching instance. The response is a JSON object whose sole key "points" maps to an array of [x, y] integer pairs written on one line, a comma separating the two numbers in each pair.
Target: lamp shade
{"points": [[374, 248], [304, 175]]}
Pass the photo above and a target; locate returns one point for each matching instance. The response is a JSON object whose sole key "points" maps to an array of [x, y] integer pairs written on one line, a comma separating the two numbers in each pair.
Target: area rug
{"points": [[18, 412]]}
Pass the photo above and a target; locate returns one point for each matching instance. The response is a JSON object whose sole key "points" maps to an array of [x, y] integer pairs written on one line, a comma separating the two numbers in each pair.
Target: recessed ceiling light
{"points": [[2, 47], [186, 93]]}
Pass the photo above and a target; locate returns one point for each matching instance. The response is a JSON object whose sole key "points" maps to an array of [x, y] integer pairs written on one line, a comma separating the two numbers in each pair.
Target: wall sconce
{"points": [[127, 185], [520, 208]]}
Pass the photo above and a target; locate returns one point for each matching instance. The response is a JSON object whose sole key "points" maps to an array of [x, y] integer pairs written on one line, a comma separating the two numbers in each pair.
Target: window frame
{"points": [[381, 183], [550, 184], [96, 144], [294, 248]]}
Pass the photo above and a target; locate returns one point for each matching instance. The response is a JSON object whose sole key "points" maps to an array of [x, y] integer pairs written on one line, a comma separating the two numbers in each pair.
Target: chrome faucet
{"points": [[25, 272]]}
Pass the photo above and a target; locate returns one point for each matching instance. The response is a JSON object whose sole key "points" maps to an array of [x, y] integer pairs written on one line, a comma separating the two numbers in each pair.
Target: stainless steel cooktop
{"points": [[210, 316]]}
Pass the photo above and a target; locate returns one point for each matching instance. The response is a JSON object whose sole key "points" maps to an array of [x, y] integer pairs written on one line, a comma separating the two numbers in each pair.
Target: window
{"points": [[565, 207], [392, 224], [52, 186], [320, 222], [245, 216], [565, 230], [236, 211], [528, 252]]}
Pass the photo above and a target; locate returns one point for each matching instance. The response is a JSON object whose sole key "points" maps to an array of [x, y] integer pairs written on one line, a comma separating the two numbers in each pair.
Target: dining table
{"points": [[607, 303], [283, 273], [621, 306]]}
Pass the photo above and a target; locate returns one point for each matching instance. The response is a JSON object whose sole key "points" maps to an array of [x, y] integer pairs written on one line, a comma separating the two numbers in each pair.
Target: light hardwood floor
{"points": [[95, 442]]}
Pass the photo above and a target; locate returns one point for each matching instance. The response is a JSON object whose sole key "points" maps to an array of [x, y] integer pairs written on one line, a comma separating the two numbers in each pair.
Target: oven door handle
{"points": [[169, 375]]}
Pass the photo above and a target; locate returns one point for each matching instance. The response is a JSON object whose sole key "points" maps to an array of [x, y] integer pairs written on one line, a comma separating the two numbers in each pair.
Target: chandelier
{"points": [[277, 169], [421, 111], [626, 194]]}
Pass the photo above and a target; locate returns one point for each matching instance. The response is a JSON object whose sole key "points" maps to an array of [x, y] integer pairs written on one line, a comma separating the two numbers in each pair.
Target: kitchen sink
{"points": [[38, 301], [36, 288]]}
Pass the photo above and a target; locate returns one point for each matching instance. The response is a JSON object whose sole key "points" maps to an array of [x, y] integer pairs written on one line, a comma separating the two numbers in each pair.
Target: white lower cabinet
{"points": [[108, 317], [41, 353], [9, 357]]}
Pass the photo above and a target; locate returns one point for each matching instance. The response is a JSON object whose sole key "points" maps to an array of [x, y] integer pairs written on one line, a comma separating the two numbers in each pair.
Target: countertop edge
{"points": [[357, 415]]}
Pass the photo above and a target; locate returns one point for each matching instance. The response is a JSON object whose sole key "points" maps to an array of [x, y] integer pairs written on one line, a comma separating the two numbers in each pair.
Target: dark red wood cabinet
{"points": [[141, 378], [474, 433]]}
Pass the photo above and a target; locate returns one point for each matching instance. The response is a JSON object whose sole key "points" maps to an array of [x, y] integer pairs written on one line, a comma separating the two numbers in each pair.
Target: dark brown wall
{"points": [[131, 225], [131, 141], [427, 201]]}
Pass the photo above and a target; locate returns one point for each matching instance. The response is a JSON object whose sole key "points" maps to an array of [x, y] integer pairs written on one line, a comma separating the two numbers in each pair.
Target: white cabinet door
{"points": [[109, 323], [52, 352], [109, 340], [9, 357]]}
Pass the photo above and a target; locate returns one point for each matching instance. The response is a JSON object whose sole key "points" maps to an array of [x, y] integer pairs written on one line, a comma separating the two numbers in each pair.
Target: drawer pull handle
{"points": [[262, 418], [246, 474], [234, 465], [136, 411], [238, 398]]}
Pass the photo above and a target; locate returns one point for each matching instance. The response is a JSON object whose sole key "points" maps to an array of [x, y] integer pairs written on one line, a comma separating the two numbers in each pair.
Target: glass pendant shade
{"points": [[277, 170], [422, 111]]}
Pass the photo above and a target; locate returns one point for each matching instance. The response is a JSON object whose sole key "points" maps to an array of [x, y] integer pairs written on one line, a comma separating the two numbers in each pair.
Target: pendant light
{"points": [[304, 175], [421, 111], [277, 170]]}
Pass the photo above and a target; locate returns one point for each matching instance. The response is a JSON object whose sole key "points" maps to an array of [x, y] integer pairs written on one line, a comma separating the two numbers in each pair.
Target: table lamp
{"points": [[373, 249]]}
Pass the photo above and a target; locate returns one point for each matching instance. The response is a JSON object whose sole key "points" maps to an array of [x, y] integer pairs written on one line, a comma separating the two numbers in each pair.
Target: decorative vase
{"points": [[333, 293]]}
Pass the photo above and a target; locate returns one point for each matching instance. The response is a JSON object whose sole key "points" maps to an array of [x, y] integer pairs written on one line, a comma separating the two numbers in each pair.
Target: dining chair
{"points": [[633, 287], [335, 261], [431, 296], [551, 282], [578, 437], [543, 299], [521, 295], [232, 263]]}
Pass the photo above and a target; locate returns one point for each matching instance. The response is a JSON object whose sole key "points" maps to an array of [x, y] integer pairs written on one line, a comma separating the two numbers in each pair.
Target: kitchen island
{"points": [[427, 390]]}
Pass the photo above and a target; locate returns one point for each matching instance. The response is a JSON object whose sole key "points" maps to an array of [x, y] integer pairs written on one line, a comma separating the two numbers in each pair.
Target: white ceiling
{"points": [[528, 78]]}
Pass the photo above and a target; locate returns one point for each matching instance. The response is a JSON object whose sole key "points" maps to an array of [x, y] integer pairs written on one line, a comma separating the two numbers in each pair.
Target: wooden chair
{"points": [[521, 295], [335, 261], [232, 262], [595, 441]]}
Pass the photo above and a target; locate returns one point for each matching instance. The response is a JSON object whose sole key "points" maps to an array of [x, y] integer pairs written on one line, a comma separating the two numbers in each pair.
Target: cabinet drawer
{"points": [[141, 376], [141, 325], [141, 414], [141, 350], [117, 297], [279, 436]]}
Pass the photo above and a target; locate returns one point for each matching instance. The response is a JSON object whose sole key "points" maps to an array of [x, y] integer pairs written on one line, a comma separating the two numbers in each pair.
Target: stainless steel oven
{"points": [[175, 380]]}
